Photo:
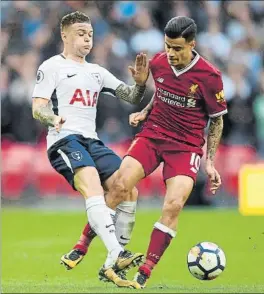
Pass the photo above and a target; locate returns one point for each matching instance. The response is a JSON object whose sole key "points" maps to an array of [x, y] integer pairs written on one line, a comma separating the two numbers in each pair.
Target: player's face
{"points": [[78, 38], [179, 51]]}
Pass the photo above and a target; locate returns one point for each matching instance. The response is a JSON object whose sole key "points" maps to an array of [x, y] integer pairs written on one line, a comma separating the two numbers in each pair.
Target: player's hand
{"points": [[140, 71], [137, 117], [214, 177], [58, 122]]}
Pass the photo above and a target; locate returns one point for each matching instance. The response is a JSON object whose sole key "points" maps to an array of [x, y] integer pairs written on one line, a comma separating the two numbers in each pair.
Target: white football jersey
{"points": [[73, 90]]}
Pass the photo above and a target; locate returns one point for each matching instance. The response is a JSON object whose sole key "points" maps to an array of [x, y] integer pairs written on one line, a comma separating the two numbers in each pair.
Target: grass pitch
{"points": [[33, 242]]}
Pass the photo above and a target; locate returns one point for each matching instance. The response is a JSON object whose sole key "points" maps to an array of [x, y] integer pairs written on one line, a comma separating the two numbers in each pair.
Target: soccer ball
{"points": [[206, 261]]}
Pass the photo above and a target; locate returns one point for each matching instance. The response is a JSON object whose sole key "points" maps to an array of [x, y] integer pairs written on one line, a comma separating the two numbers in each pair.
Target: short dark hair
{"points": [[181, 26], [74, 17]]}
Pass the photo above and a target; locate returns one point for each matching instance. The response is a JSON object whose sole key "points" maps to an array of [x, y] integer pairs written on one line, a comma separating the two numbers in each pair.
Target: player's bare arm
{"points": [[134, 94], [213, 140], [214, 137], [136, 117], [42, 112], [149, 107]]}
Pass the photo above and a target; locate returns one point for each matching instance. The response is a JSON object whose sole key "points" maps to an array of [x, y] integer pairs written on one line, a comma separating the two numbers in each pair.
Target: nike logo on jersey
{"points": [[70, 76], [108, 226], [160, 80], [123, 238]]}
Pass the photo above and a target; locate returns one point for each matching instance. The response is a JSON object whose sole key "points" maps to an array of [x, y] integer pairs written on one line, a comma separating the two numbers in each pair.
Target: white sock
{"points": [[102, 223], [124, 221], [112, 213], [165, 229]]}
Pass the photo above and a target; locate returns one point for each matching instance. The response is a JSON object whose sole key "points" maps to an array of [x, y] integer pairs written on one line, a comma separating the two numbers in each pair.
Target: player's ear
{"points": [[63, 36], [65, 33], [192, 44]]}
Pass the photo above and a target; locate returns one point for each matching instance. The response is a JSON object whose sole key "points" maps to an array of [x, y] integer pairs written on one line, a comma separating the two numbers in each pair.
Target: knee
{"points": [[120, 192], [133, 195], [82, 187], [172, 208], [88, 188], [121, 188]]}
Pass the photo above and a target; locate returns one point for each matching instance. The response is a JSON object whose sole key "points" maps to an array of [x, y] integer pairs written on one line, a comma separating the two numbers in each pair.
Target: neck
{"points": [[181, 66], [72, 56]]}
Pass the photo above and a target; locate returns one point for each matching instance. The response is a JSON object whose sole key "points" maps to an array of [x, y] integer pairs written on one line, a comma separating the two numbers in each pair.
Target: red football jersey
{"points": [[183, 102]]}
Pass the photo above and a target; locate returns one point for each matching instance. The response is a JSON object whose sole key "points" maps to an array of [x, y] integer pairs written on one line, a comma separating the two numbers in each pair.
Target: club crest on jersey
{"points": [[97, 77], [193, 89], [77, 155], [40, 76], [191, 101]]}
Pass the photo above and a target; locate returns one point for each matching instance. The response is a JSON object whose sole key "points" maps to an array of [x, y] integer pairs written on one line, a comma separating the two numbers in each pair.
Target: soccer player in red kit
{"points": [[189, 92]]}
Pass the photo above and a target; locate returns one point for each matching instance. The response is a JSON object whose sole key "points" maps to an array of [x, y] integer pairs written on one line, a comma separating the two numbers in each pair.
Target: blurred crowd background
{"points": [[230, 35]]}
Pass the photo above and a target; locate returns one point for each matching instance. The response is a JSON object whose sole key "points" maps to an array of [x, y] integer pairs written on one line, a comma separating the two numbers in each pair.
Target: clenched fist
{"points": [[58, 122], [137, 117]]}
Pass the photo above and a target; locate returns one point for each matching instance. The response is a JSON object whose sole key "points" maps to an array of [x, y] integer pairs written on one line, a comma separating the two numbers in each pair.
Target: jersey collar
{"points": [[188, 67]]}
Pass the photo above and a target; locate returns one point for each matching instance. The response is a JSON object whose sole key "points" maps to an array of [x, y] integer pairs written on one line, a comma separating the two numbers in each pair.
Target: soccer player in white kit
{"points": [[65, 99]]}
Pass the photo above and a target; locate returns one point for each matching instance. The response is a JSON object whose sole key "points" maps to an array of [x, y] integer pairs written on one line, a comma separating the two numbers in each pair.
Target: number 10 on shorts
{"points": [[195, 162]]}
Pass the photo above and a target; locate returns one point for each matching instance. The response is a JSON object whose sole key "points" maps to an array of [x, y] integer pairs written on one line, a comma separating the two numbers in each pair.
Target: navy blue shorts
{"points": [[75, 151]]}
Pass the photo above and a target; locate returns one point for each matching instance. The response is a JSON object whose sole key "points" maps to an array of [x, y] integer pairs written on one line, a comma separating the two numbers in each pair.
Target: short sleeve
{"points": [[110, 82], [45, 82], [214, 96], [155, 64]]}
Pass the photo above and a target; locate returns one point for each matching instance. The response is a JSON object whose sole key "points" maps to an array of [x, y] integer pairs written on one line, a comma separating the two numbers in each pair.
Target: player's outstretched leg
{"points": [[128, 175], [87, 182], [124, 220], [178, 191]]}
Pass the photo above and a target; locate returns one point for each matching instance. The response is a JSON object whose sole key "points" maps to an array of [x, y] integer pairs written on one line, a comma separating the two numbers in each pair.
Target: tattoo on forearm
{"points": [[132, 94], [45, 115], [214, 136]]}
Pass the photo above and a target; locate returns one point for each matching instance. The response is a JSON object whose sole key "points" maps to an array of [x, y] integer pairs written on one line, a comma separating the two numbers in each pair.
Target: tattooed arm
{"points": [[132, 94], [42, 112], [214, 137]]}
